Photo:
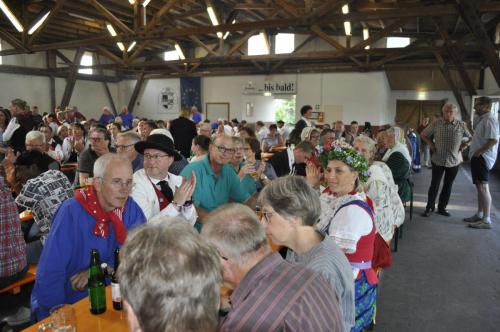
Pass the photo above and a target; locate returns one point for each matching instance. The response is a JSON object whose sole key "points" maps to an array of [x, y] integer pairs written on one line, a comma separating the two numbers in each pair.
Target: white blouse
{"points": [[348, 225]]}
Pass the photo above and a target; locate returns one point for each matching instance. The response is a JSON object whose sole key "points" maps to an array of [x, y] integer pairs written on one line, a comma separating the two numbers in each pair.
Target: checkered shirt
{"points": [[12, 245], [447, 137]]}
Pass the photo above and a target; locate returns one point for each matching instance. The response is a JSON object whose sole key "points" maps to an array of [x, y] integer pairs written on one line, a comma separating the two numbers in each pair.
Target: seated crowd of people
{"points": [[295, 222]]}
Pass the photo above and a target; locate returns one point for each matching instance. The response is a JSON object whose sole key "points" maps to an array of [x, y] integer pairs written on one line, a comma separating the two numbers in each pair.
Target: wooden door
{"points": [[409, 113]]}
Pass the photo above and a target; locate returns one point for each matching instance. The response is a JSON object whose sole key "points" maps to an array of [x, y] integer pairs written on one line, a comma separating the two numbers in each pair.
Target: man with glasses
{"points": [[216, 182], [98, 217], [99, 139], [158, 192], [124, 145], [269, 294]]}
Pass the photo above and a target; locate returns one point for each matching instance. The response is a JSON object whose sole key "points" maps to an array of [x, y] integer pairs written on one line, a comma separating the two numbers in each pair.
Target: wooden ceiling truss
{"points": [[447, 35]]}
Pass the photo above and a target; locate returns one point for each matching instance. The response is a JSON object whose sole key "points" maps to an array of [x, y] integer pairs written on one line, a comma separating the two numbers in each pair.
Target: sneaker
{"points": [[474, 218], [480, 225], [22, 316]]}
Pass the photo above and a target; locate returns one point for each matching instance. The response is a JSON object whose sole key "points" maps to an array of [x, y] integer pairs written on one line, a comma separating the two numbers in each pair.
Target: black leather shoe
{"points": [[426, 213], [443, 212]]}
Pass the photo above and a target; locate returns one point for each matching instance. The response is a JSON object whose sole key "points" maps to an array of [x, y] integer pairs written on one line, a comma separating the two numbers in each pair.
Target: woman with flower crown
{"points": [[347, 216]]}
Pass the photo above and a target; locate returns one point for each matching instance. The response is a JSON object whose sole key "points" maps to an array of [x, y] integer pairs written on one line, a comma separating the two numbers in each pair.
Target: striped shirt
{"points": [[276, 295], [328, 260], [448, 137]]}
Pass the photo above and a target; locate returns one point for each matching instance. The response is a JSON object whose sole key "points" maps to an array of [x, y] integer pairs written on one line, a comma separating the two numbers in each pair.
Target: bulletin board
{"points": [[214, 111]]}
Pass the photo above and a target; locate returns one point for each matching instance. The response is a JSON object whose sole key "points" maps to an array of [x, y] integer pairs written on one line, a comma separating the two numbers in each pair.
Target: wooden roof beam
{"points": [[470, 15], [387, 31], [137, 89], [112, 18], [447, 76], [71, 79], [53, 12], [453, 54]]}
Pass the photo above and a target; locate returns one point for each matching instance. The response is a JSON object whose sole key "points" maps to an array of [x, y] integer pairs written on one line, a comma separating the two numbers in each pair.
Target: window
{"points": [[257, 45], [87, 60], [285, 43], [397, 42], [171, 55]]}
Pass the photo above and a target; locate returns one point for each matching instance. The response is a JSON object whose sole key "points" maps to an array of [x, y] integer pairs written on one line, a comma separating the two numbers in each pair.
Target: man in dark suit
{"points": [[292, 161]]}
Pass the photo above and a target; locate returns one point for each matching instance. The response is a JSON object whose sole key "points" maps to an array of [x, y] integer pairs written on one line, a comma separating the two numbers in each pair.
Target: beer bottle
{"points": [[115, 286], [97, 291]]}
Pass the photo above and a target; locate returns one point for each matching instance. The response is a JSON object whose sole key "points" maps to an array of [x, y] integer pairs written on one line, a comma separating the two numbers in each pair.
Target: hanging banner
{"points": [[168, 100], [271, 87]]}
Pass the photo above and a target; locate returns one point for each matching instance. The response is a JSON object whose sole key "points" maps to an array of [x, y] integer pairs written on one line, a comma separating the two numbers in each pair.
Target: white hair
{"points": [[102, 163], [35, 135]]}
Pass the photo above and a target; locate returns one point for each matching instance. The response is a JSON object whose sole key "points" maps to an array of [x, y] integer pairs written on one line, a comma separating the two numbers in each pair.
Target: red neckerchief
{"points": [[87, 198]]}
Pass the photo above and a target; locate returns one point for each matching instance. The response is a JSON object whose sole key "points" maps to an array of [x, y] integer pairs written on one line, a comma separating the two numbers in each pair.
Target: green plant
{"points": [[285, 110]]}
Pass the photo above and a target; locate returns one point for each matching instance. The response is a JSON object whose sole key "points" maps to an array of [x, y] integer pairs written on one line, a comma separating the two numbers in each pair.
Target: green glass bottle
{"points": [[97, 286]]}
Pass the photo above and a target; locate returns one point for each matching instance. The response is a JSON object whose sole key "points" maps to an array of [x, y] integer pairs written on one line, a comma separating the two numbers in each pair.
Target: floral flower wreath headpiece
{"points": [[340, 150]]}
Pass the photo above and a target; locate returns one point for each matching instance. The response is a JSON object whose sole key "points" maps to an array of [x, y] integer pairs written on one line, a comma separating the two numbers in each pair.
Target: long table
{"points": [[110, 321]]}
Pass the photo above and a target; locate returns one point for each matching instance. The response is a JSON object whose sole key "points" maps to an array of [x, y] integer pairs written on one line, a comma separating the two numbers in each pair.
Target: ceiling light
{"points": [[145, 3], [132, 2], [227, 33], [38, 23], [366, 35], [111, 30], [212, 16], [265, 41], [121, 46], [345, 9], [11, 16], [214, 20], [179, 51], [82, 17], [347, 28], [131, 46]]}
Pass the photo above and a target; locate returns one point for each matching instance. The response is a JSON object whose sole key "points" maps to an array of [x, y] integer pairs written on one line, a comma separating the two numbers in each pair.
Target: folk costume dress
{"points": [[349, 220]]}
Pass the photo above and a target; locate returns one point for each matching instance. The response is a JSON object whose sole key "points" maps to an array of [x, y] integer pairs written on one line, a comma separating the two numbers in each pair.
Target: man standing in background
{"points": [[447, 137], [483, 154]]}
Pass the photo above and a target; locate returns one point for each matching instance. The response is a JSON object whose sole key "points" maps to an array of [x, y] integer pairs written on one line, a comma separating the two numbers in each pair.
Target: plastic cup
{"points": [[63, 318]]}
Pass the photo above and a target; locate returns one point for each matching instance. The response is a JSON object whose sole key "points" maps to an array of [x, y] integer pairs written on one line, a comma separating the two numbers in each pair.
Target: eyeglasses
{"points": [[148, 156], [119, 183], [223, 149], [267, 215], [123, 147]]}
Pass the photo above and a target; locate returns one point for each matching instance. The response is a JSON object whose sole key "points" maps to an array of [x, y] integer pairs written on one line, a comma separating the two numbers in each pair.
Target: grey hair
{"points": [[291, 196], [103, 162], [235, 230], [170, 277], [35, 135], [367, 141], [131, 135], [453, 107], [396, 132]]}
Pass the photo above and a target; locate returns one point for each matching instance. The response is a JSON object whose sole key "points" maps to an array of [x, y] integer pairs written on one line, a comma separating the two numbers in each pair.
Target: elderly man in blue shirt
{"points": [[98, 217]]}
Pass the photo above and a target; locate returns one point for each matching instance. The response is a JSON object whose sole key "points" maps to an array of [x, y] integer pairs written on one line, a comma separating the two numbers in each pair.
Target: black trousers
{"points": [[450, 174]]}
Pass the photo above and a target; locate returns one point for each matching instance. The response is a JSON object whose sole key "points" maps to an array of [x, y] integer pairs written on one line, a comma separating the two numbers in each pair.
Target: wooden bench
{"points": [[28, 278]]}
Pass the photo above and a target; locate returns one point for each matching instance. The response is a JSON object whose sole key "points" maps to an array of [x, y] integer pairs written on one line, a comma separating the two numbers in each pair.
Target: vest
{"points": [[362, 257]]}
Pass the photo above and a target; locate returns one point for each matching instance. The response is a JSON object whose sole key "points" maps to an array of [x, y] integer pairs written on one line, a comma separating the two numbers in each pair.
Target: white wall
{"points": [[147, 101], [362, 97], [490, 84], [34, 89]]}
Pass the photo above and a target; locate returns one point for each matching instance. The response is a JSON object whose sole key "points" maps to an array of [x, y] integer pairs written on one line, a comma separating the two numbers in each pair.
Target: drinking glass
{"points": [[63, 318]]}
